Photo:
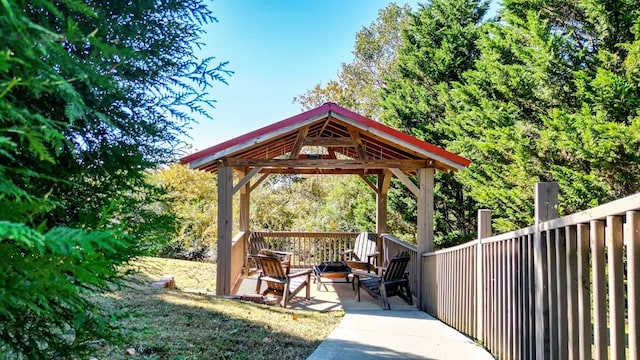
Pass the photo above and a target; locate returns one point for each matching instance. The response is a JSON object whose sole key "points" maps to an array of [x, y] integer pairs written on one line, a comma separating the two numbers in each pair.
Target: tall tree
{"points": [[193, 201], [438, 47], [554, 97], [360, 81], [92, 94]]}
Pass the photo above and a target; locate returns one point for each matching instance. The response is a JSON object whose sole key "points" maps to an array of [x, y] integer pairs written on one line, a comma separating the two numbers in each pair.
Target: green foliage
{"points": [[192, 198], [360, 81], [44, 307], [551, 98], [91, 95], [314, 203], [438, 46]]}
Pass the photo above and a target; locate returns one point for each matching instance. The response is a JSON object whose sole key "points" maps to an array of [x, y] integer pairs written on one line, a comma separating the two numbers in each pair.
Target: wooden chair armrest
{"points": [[365, 274], [278, 252], [300, 273], [346, 255]]}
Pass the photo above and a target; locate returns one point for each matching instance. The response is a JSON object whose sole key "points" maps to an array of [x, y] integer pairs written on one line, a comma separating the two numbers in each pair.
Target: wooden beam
{"points": [[326, 163], [384, 181], [206, 161], [325, 124], [328, 141], [302, 134], [258, 182], [323, 171], [246, 178], [370, 183], [406, 181], [355, 135]]}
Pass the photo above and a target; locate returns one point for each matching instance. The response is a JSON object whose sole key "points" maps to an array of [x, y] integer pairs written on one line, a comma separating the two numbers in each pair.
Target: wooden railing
{"points": [[310, 248], [391, 246], [238, 251], [453, 273], [558, 289]]}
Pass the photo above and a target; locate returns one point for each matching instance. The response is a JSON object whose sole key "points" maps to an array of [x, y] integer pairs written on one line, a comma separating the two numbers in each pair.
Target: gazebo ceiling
{"points": [[326, 140]]}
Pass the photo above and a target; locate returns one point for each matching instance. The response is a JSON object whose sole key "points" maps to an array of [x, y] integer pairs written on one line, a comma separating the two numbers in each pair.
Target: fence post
{"points": [[546, 208], [484, 231]]}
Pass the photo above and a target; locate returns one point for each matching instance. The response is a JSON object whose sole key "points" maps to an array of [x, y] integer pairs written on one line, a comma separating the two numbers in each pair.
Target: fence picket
{"points": [[599, 290], [616, 286]]}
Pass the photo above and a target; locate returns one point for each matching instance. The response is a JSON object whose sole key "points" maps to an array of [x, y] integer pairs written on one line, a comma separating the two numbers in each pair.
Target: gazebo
{"points": [[344, 143]]}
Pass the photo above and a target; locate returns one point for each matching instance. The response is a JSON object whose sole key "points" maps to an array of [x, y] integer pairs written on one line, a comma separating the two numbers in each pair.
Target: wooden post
{"points": [[382, 190], [384, 180], [546, 208], [484, 231], [424, 229], [225, 222], [244, 215]]}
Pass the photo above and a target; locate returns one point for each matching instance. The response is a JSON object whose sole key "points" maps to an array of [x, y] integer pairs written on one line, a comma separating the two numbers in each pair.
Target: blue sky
{"points": [[277, 49]]}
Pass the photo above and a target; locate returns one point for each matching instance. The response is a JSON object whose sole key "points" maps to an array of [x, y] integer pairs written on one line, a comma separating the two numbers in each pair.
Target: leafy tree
{"points": [[374, 60], [313, 203], [91, 95], [193, 200], [554, 97], [438, 47]]}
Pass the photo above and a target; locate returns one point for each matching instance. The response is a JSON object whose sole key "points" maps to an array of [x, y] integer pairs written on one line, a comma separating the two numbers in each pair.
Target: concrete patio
{"points": [[368, 332]]}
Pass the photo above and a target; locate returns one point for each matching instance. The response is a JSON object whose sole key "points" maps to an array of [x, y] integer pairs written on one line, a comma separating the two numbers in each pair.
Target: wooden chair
{"points": [[364, 254], [257, 243], [393, 280], [278, 281]]}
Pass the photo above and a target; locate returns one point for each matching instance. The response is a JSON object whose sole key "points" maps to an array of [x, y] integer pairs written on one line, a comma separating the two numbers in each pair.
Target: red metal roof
{"points": [[277, 139]]}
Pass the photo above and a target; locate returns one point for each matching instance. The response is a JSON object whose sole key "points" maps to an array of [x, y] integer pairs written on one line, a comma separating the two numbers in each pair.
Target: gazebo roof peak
{"points": [[340, 131]]}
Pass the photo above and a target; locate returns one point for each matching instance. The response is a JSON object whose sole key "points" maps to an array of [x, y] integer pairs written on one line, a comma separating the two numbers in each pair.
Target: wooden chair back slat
{"points": [[278, 280], [393, 281], [365, 244], [256, 243], [397, 266]]}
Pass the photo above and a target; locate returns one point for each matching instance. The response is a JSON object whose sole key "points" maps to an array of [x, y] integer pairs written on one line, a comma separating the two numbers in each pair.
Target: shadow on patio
{"points": [[333, 296]]}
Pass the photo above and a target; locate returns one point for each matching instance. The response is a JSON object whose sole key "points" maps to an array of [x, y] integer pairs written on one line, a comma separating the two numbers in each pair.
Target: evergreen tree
{"points": [[359, 82], [92, 94], [554, 97], [438, 47]]}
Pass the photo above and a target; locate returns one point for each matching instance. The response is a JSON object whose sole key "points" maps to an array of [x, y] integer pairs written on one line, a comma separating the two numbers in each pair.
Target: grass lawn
{"points": [[190, 323]]}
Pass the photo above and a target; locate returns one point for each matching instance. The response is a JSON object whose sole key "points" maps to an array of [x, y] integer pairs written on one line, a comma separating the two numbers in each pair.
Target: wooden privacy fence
{"points": [[565, 288]]}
